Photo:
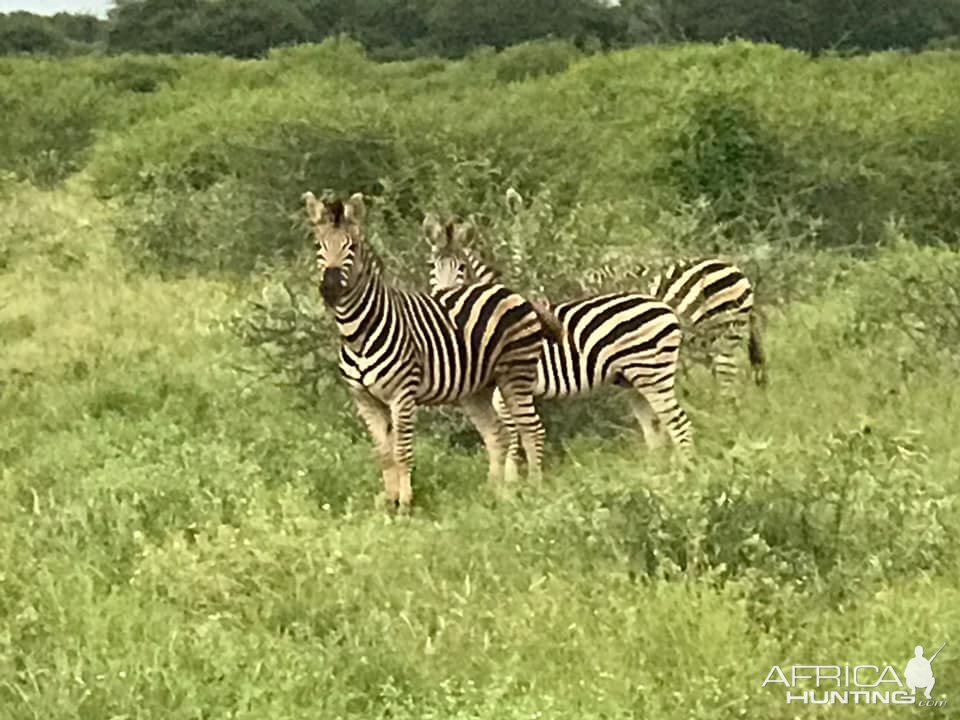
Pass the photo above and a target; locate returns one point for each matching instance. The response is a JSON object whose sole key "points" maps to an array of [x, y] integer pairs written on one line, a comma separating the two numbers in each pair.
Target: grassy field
{"points": [[183, 539]]}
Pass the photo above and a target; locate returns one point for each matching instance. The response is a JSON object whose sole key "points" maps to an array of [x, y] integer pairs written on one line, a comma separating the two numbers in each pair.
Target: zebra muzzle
{"points": [[331, 287]]}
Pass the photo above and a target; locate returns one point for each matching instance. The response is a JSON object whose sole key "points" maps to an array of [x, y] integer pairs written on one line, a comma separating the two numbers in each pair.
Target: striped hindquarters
{"points": [[600, 333], [604, 336], [704, 291], [622, 339], [715, 300]]}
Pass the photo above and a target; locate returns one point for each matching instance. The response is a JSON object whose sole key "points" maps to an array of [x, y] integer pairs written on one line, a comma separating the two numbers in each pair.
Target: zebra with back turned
{"points": [[623, 339], [713, 298], [715, 301], [401, 349]]}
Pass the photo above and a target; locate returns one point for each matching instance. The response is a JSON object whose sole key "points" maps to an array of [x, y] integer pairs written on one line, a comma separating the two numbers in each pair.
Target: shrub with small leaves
{"points": [[535, 59], [725, 152], [138, 75], [907, 297]]}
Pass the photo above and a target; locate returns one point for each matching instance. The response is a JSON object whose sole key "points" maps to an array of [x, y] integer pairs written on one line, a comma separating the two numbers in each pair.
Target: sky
{"points": [[49, 7]]}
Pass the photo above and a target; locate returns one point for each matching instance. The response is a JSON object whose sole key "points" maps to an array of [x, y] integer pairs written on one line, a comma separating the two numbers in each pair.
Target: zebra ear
{"points": [[355, 209], [463, 233], [313, 209], [432, 229], [514, 200]]}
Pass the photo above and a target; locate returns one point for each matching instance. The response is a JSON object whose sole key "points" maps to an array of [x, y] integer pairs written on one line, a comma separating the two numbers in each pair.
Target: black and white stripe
{"points": [[715, 301], [402, 349], [622, 339]]}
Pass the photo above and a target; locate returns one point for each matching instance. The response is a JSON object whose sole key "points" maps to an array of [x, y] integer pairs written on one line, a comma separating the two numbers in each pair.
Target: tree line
{"points": [[400, 29]]}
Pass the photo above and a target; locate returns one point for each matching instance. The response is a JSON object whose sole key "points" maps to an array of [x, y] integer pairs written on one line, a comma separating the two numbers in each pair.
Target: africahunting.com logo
{"points": [[859, 684]]}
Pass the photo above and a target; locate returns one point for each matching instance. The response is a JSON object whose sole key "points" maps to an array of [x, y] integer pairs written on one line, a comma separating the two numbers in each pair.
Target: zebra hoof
{"points": [[683, 459], [387, 504]]}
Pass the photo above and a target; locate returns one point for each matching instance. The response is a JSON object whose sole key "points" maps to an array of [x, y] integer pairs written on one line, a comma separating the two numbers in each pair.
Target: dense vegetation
{"points": [[395, 29], [187, 513]]}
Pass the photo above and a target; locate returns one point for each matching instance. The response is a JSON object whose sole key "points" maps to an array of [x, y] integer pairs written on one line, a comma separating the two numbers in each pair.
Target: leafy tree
{"points": [[388, 23], [152, 25], [23, 32], [882, 24], [80, 28], [813, 25], [457, 26], [327, 17], [248, 28]]}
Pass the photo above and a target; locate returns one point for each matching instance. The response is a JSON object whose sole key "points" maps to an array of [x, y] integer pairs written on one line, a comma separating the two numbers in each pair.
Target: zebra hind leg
{"points": [[656, 385], [512, 465], [517, 392], [376, 416], [649, 423], [480, 410]]}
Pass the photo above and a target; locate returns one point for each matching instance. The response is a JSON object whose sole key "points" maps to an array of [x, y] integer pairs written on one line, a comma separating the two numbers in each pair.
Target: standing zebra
{"points": [[713, 298], [715, 301], [399, 349], [622, 339]]}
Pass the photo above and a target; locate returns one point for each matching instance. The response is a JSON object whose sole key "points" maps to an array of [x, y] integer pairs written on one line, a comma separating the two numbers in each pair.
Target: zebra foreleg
{"points": [[376, 416], [403, 412], [480, 411]]}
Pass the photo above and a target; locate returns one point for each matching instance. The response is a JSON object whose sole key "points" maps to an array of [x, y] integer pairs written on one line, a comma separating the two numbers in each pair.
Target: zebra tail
{"points": [[552, 327], [758, 358]]}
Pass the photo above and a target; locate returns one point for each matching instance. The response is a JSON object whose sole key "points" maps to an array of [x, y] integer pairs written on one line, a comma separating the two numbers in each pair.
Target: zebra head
{"points": [[449, 267], [338, 236]]}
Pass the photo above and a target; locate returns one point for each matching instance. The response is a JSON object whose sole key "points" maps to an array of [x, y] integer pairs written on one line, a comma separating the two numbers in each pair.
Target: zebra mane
{"points": [[479, 264], [336, 210]]}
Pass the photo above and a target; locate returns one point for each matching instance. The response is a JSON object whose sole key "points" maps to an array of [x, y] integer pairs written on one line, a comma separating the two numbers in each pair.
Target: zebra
{"points": [[453, 264], [712, 296], [626, 340], [715, 300], [401, 349]]}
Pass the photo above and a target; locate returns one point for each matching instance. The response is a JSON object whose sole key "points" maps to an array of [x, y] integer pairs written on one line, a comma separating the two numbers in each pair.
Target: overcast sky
{"points": [[48, 7]]}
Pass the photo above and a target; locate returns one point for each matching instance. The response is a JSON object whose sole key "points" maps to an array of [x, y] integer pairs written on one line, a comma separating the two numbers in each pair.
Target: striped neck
{"points": [[361, 305]]}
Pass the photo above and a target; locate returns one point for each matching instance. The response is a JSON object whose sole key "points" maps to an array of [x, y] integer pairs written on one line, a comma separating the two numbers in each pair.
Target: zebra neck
{"points": [[363, 304]]}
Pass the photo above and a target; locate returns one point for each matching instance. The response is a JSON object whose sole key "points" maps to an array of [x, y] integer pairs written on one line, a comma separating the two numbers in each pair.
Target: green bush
{"points": [[48, 127], [724, 152], [535, 59], [226, 205], [908, 297], [53, 111], [141, 76]]}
